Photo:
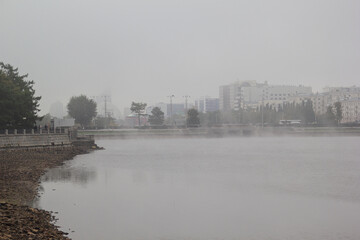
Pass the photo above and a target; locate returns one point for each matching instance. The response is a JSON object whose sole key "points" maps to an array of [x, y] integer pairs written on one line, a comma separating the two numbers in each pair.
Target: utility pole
{"points": [[262, 110], [186, 108], [106, 98], [171, 97]]}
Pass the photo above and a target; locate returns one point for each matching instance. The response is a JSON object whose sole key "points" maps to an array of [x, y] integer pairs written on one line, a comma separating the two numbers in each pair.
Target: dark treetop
{"points": [[18, 103]]}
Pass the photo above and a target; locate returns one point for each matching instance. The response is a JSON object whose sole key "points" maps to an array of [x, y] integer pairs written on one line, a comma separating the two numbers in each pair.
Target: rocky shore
{"points": [[20, 172]]}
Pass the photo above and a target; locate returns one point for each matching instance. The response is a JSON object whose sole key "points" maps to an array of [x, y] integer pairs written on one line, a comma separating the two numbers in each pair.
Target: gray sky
{"points": [[145, 50]]}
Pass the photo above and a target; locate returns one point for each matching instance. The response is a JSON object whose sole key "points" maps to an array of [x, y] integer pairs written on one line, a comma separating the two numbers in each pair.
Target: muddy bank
{"points": [[20, 172]]}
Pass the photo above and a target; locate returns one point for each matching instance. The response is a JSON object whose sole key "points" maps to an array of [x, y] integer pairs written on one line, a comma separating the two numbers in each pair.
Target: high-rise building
{"points": [[224, 98], [176, 109], [207, 104], [57, 110]]}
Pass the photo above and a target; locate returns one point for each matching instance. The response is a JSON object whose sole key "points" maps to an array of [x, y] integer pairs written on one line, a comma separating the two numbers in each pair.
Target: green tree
{"points": [[157, 117], [330, 117], [138, 108], [338, 112], [82, 109], [192, 119], [18, 104], [210, 118], [309, 113]]}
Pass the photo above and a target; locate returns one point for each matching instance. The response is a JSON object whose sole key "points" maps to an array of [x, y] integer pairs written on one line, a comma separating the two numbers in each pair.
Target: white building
{"points": [[349, 97], [250, 93], [62, 122], [320, 101], [342, 93], [350, 110], [283, 92]]}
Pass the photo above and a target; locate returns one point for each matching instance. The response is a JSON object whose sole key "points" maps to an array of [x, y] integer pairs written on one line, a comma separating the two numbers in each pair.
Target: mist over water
{"points": [[210, 188]]}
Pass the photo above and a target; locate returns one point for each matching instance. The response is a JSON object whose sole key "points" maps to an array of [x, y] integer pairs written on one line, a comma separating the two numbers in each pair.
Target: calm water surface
{"points": [[223, 188]]}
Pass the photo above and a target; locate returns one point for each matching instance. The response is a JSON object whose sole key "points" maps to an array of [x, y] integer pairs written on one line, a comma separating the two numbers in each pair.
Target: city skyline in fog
{"points": [[147, 50]]}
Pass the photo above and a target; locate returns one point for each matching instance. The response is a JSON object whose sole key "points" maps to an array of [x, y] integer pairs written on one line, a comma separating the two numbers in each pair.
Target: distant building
{"points": [[320, 101], [132, 120], [350, 110], [207, 104], [337, 94], [57, 110], [349, 97], [104, 106], [250, 94], [283, 92], [167, 108], [62, 122], [224, 98], [176, 109]]}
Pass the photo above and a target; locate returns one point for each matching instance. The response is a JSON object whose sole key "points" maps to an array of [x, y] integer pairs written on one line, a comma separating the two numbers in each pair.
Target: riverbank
{"points": [[20, 172]]}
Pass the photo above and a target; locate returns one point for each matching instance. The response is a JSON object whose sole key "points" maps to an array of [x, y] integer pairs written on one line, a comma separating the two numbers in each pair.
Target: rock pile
{"points": [[20, 172], [22, 222]]}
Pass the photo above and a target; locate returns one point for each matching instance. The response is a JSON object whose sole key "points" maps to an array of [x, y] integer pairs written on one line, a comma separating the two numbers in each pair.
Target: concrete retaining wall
{"points": [[32, 140]]}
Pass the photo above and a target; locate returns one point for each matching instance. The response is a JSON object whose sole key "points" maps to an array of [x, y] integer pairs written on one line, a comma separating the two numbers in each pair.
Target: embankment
{"points": [[31, 140]]}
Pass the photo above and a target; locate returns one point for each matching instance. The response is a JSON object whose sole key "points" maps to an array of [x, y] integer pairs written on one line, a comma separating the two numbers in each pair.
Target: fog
{"points": [[137, 50]]}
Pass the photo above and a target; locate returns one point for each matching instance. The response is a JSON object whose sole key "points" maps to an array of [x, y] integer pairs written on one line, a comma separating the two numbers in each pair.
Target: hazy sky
{"points": [[146, 50]]}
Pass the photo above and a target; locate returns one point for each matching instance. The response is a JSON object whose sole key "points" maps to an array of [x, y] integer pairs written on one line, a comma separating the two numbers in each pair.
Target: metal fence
{"points": [[33, 131]]}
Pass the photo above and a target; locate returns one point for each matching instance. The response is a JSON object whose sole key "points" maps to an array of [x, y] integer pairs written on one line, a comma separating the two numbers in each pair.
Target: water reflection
{"points": [[78, 175]]}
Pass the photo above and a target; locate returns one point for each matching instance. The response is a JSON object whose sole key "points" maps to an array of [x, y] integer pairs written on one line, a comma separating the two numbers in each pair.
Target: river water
{"points": [[210, 188]]}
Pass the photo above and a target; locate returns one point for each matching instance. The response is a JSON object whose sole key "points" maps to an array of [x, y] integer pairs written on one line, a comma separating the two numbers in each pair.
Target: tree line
{"points": [[157, 119], [20, 107], [271, 115]]}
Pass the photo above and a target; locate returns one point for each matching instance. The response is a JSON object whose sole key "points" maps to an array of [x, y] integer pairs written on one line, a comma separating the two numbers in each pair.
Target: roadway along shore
{"points": [[223, 131]]}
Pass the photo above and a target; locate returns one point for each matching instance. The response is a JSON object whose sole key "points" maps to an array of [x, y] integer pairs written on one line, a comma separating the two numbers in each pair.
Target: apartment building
{"points": [[320, 101], [350, 110], [250, 93]]}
